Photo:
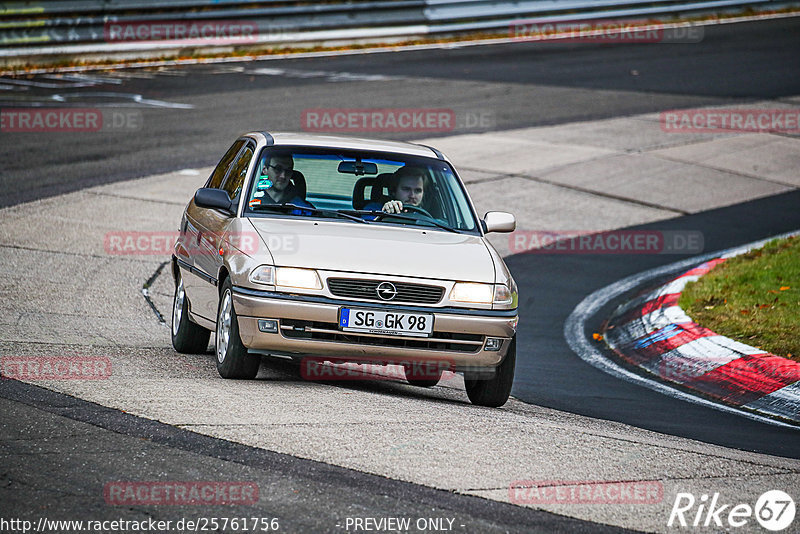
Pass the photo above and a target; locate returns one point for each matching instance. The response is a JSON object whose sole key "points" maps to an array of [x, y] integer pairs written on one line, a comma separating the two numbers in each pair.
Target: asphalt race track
{"points": [[303, 495], [552, 375], [521, 84], [187, 116]]}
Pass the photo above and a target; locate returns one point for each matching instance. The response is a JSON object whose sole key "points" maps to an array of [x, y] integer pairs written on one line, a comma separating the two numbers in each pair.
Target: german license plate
{"points": [[392, 323]]}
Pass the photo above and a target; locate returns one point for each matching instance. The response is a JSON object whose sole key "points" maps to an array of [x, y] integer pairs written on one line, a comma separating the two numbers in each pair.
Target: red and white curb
{"points": [[653, 333]]}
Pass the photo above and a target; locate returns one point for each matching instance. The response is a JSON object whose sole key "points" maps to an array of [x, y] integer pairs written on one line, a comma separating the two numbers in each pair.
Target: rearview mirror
{"points": [[207, 197], [358, 168], [499, 221]]}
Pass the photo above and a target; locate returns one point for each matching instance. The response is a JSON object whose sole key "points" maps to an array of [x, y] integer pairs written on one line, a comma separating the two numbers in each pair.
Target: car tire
{"points": [[427, 380], [233, 360], [494, 392], [187, 337]]}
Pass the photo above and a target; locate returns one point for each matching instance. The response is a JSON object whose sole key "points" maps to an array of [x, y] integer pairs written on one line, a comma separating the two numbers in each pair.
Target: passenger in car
{"points": [[407, 188], [276, 184]]}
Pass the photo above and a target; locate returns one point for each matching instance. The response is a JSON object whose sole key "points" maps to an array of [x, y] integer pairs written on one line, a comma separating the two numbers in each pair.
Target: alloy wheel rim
{"points": [[177, 308], [224, 327]]}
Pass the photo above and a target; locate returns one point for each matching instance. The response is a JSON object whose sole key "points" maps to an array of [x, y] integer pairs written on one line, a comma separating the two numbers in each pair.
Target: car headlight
{"points": [[476, 293], [472, 292], [264, 274], [297, 278]]}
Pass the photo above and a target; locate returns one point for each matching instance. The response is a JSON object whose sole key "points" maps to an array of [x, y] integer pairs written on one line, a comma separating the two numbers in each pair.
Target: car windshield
{"points": [[356, 186]]}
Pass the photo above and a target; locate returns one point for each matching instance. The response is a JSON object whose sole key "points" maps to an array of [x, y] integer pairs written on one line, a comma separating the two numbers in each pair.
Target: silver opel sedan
{"points": [[345, 250]]}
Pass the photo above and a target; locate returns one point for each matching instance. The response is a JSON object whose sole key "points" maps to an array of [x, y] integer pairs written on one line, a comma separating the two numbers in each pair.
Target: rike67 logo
{"points": [[773, 510]]}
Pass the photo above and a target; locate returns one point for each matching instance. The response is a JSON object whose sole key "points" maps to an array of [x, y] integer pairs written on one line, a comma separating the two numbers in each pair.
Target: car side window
{"points": [[222, 167], [235, 180]]}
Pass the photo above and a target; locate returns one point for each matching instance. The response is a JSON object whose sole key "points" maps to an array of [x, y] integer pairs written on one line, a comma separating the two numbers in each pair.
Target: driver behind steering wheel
{"points": [[406, 187]]}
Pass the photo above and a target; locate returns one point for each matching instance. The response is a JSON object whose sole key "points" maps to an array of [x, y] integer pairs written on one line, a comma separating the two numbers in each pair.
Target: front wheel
{"points": [[187, 337], [494, 392], [233, 361]]}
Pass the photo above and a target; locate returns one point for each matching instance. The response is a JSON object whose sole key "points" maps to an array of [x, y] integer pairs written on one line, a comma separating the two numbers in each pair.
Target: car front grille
{"points": [[352, 288], [320, 331]]}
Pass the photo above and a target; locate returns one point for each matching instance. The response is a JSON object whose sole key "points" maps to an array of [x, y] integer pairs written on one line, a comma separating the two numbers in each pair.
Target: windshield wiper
{"points": [[383, 214], [347, 216], [286, 206]]}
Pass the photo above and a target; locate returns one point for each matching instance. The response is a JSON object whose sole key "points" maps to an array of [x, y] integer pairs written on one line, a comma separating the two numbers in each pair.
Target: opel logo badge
{"points": [[386, 291]]}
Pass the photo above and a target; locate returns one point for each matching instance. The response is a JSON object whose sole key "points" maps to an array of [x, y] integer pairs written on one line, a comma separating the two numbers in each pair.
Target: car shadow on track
{"points": [[384, 380]]}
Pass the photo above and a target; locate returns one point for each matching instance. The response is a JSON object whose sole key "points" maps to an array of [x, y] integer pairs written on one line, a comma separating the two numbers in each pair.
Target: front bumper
{"points": [[308, 326]]}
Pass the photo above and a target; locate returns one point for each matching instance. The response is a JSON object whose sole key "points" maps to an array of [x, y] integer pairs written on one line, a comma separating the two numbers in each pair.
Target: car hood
{"points": [[376, 249]]}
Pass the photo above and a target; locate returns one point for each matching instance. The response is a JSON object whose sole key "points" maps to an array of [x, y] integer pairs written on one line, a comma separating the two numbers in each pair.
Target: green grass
{"points": [[753, 298]]}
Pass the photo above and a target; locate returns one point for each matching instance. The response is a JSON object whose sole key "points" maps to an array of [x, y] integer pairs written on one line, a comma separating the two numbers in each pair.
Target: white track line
{"points": [[575, 326]]}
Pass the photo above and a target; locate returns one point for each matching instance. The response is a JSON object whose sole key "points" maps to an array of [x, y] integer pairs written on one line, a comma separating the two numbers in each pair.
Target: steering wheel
{"points": [[419, 210]]}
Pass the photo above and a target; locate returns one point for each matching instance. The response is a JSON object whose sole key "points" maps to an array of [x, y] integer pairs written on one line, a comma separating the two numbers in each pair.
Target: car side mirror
{"points": [[208, 197], [499, 221]]}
